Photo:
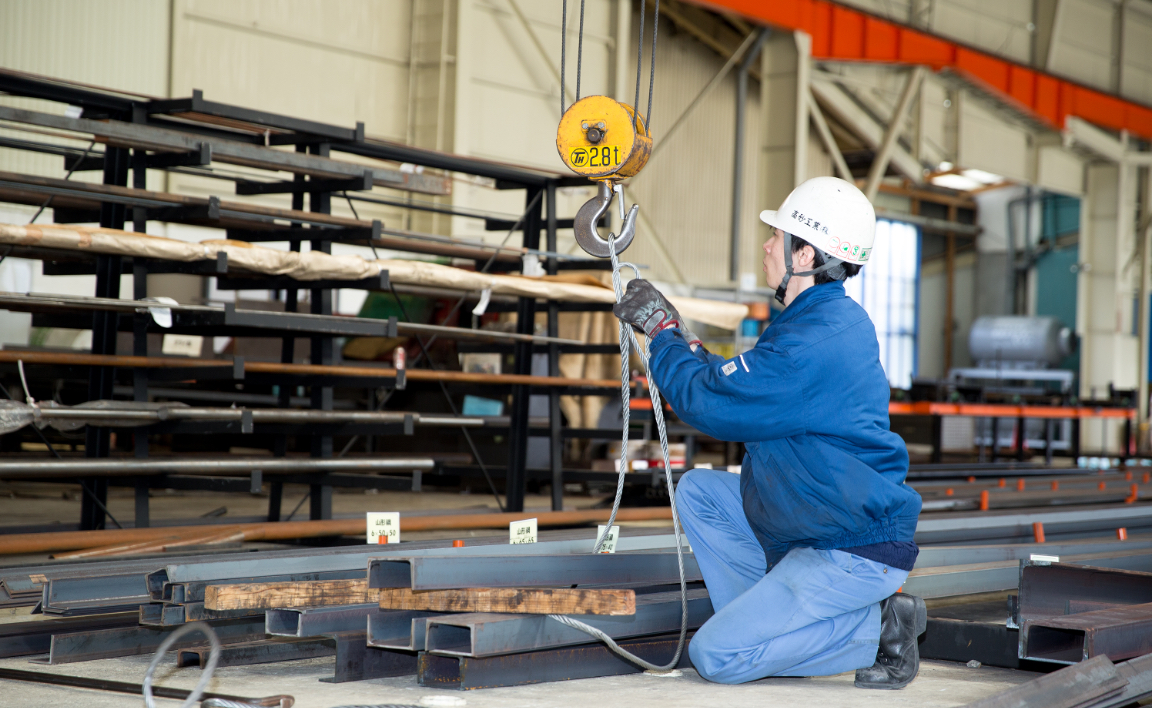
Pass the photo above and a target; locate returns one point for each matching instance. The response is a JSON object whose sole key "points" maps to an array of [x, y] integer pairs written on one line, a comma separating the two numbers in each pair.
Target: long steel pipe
{"points": [[264, 367], [284, 530], [159, 465], [35, 302]]}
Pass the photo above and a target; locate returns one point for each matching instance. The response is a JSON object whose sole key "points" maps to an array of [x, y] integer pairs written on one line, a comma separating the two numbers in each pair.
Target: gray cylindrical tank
{"points": [[1044, 340]]}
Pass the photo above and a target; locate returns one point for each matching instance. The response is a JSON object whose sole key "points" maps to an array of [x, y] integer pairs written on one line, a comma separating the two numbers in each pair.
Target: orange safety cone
{"points": [[1055, 485], [1020, 484], [984, 500], [1122, 533], [1038, 531], [1003, 483]]}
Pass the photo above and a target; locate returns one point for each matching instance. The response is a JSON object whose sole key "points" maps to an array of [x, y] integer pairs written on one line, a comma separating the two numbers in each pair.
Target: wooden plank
{"points": [[537, 601], [307, 593]]}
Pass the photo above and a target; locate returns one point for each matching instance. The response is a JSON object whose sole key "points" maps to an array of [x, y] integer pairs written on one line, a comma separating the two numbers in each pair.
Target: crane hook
{"points": [[584, 225]]}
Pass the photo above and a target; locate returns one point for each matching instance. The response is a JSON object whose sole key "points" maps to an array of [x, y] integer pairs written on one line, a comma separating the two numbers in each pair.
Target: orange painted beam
{"points": [[996, 410], [847, 34]]}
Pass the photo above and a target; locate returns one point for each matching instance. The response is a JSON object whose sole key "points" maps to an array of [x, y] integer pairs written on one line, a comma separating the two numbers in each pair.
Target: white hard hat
{"points": [[832, 215]]}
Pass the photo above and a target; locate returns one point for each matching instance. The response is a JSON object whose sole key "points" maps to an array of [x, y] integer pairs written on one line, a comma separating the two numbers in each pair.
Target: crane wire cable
{"points": [[628, 342], [205, 675]]}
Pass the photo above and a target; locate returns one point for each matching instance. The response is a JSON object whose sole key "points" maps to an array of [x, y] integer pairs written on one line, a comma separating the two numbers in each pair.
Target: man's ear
{"points": [[809, 255]]}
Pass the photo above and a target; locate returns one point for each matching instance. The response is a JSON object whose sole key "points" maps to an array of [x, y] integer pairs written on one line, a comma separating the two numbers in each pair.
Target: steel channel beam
{"points": [[356, 661], [935, 556], [1117, 632], [386, 632], [991, 526], [265, 651], [314, 621], [356, 557], [946, 581], [1048, 590], [133, 641], [1087, 683], [35, 637], [106, 590], [482, 634], [501, 571], [1096, 601], [589, 661]]}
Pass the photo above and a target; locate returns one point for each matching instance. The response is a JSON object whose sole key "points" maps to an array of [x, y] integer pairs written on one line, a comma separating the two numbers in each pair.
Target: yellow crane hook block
{"points": [[603, 140]]}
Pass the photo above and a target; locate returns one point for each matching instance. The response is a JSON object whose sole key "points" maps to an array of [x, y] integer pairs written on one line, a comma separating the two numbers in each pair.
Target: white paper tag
{"points": [[383, 527], [482, 306], [182, 344], [522, 531], [609, 542], [530, 266], [161, 315], [729, 368], [1040, 558]]}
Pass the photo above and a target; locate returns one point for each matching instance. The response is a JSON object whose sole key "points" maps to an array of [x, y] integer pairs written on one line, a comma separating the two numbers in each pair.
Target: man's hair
{"points": [[843, 271]]}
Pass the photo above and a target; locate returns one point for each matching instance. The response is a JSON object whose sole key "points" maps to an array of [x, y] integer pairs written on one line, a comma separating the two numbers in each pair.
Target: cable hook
{"points": [[584, 225]]}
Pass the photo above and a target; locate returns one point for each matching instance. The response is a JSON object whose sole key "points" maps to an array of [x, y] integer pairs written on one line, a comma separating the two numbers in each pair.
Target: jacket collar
{"points": [[809, 298]]}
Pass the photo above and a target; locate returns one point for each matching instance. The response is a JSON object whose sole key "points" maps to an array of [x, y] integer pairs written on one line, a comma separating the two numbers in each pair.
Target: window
{"points": [[887, 288]]}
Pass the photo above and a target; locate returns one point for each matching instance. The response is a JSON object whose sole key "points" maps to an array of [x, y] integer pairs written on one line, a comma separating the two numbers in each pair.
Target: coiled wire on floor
{"points": [[206, 675], [627, 342]]}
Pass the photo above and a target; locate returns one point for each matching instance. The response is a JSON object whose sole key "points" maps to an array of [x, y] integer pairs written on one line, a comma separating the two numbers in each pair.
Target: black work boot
{"points": [[903, 618]]}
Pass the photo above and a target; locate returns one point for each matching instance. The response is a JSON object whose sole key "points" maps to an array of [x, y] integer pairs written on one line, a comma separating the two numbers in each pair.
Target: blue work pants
{"points": [[815, 614]]}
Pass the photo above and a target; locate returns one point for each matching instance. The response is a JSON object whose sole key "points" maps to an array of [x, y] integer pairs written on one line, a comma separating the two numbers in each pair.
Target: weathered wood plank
{"points": [[307, 593], [542, 601]]}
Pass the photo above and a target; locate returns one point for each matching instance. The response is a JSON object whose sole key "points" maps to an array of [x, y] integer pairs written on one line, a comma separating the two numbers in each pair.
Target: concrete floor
{"points": [[939, 684]]}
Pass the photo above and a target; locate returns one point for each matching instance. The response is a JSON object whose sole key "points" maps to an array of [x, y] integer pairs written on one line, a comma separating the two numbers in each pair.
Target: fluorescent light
{"points": [[957, 182], [982, 176]]}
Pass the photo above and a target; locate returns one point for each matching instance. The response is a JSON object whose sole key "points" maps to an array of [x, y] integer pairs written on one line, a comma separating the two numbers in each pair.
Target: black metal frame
{"points": [[264, 128]]}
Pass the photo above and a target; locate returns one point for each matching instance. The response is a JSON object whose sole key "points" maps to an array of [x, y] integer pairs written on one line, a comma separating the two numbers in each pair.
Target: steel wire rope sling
{"points": [[584, 126]]}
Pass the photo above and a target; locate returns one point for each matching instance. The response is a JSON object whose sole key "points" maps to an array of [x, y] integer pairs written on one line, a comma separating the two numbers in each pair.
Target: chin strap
{"points": [[828, 265]]}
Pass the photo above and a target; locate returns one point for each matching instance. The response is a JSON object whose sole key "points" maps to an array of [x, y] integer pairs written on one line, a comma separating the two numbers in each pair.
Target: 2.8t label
{"points": [[595, 156]]}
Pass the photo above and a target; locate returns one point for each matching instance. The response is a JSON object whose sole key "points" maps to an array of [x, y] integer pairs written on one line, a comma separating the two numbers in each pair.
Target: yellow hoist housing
{"points": [[603, 139]]}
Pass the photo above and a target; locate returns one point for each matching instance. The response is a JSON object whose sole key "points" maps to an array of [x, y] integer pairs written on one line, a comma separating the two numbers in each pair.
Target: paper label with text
{"points": [[609, 542], [383, 527], [522, 531], [182, 344]]}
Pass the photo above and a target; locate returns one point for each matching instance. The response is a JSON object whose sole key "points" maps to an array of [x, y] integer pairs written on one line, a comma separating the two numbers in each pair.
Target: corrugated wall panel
{"points": [[122, 44], [685, 191]]}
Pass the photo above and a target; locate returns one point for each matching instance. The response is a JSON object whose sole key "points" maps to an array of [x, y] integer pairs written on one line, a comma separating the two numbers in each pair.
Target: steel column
{"points": [[517, 480]]}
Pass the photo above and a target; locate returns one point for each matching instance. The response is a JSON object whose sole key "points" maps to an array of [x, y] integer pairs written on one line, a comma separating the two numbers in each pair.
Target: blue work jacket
{"points": [[810, 402]]}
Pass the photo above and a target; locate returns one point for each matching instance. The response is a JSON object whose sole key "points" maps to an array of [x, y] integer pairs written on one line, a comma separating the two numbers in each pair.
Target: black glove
{"points": [[647, 310]]}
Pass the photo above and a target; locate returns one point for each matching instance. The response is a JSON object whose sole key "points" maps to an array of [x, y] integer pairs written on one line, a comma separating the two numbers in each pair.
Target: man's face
{"points": [[774, 259]]}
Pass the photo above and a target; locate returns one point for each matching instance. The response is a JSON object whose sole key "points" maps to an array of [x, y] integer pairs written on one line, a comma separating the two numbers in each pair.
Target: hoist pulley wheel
{"points": [[601, 138]]}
